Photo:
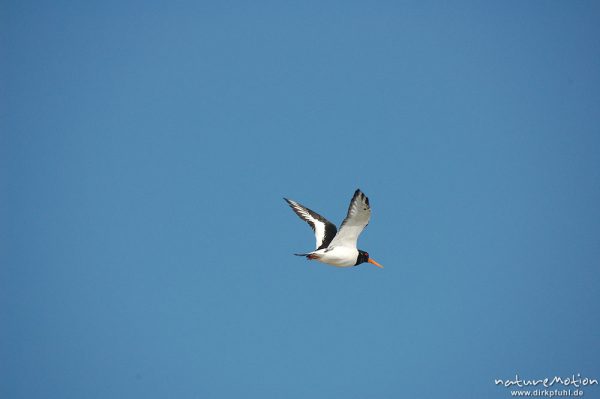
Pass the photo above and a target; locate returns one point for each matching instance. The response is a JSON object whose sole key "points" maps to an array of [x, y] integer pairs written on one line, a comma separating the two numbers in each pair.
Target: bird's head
{"points": [[363, 257]]}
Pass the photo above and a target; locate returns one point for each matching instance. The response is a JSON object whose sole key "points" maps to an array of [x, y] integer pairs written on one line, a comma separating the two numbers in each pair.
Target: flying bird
{"points": [[338, 248]]}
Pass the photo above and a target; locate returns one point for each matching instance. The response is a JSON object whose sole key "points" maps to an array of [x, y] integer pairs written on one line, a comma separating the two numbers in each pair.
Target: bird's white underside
{"points": [[337, 256]]}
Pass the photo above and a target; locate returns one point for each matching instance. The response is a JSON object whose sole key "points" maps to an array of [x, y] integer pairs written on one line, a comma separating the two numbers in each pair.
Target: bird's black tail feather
{"points": [[309, 256]]}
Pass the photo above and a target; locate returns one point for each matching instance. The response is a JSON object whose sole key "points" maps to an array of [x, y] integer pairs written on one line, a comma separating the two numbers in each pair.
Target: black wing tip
{"points": [[294, 205], [359, 193]]}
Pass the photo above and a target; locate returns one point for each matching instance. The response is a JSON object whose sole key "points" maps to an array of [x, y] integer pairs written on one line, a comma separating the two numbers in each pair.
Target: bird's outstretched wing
{"points": [[323, 228], [359, 213]]}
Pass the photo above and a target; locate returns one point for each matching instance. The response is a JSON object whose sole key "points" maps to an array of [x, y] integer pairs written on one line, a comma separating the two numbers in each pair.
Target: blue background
{"points": [[146, 146]]}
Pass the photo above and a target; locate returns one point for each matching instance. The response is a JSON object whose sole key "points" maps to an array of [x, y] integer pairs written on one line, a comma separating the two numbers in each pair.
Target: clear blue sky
{"points": [[145, 147]]}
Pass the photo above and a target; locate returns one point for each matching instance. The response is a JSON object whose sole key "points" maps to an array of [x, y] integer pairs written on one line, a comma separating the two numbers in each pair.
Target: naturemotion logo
{"points": [[548, 386]]}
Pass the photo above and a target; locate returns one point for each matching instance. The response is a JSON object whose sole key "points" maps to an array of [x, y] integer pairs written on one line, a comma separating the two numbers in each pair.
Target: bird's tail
{"points": [[309, 256]]}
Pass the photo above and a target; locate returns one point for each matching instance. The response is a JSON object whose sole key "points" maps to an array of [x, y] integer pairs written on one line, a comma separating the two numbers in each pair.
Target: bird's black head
{"points": [[363, 257]]}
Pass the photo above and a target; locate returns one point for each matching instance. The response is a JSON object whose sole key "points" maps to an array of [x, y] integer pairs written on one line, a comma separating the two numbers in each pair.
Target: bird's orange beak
{"points": [[375, 263]]}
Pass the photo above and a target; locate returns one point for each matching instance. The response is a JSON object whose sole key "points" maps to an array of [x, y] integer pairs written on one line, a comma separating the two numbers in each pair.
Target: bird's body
{"points": [[336, 256], [338, 248]]}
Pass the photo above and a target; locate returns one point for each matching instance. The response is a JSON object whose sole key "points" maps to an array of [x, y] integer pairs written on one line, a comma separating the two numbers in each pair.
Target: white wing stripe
{"points": [[318, 226]]}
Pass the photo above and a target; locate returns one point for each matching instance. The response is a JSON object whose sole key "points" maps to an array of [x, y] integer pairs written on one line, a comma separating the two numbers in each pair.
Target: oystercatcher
{"points": [[338, 248]]}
